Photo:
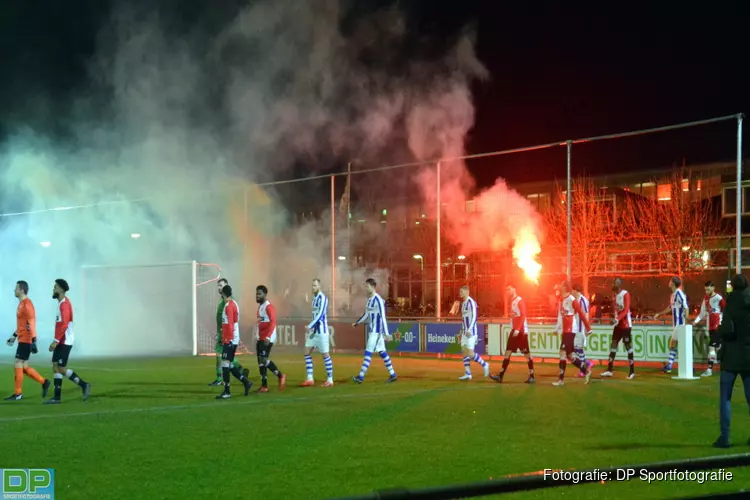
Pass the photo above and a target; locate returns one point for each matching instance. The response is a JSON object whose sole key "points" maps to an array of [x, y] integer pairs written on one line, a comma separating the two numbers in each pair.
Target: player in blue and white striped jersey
{"points": [[317, 337], [678, 305], [469, 335], [377, 332], [580, 340]]}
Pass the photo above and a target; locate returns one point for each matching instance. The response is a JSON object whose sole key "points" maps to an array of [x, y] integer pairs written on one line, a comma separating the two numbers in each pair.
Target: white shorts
{"points": [[375, 342], [319, 341], [468, 341], [579, 341], [674, 333]]}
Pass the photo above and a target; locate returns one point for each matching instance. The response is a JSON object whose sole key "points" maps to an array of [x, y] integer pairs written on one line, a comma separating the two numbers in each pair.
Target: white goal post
{"points": [[147, 309]]}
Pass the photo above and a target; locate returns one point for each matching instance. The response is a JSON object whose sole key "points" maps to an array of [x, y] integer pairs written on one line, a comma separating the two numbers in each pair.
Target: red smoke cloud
{"points": [[501, 218]]}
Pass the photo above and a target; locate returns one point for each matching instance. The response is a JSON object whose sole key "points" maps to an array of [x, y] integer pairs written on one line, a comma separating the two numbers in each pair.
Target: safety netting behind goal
{"points": [[141, 310]]}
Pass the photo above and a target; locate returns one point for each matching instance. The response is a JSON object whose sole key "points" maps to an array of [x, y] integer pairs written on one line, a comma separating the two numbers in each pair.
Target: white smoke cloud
{"points": [[186, 119]]}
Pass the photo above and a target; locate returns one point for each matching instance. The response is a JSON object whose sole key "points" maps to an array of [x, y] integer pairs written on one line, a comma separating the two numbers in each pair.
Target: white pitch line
{"points": [[250, 402], [458, 387]]}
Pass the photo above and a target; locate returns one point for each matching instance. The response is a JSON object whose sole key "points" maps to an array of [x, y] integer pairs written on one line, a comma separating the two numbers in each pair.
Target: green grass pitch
{"points": [[152, 429]]}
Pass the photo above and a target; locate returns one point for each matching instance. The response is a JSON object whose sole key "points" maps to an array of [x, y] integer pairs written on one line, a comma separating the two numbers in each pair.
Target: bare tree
{"points": [[670, 228], [593, 215]]}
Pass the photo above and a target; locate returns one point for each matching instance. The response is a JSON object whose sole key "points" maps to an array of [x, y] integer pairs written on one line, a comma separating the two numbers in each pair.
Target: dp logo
{"points": [[19, 482]]}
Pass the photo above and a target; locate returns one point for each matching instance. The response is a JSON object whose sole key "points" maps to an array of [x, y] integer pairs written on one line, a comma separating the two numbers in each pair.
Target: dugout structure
{"points": [[166, 309]]}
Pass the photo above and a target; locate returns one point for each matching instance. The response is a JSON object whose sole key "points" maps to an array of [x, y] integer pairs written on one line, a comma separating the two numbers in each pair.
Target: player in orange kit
{"points": [[26, 335]]}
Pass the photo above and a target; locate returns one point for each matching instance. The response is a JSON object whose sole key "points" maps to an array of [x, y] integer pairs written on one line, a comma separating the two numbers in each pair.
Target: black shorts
{"points": [[60, 354], [621, 334], [23, 351], [714, 340], [263, 349], [568, 339], [228, 351], [519, 342]]}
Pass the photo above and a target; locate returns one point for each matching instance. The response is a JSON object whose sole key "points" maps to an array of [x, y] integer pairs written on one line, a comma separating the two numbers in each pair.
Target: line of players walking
{"points": [[573, 324], [25, 334]]}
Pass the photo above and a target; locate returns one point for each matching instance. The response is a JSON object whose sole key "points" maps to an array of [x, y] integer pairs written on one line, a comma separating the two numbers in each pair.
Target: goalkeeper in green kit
{"points": [[219, 320]]}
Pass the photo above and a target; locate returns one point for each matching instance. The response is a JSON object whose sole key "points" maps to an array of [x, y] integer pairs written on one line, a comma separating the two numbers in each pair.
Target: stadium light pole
{"points": [[439, 263], [739, 193], [569, 257], [333, 245]]}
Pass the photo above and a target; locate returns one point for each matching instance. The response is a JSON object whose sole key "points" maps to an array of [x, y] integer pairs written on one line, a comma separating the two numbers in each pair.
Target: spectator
{"points": [[735, 353]]}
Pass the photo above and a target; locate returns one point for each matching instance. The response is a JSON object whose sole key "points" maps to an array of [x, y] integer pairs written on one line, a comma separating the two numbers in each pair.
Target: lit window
{"points": [[664, 192]]}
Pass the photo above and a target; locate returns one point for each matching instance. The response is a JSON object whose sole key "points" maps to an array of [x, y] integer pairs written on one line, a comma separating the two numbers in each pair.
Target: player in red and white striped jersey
{"points": [[567, 325], [623, 329], [712, 308], [518, 338], [230, 339], [266, 334], [63, 343]]}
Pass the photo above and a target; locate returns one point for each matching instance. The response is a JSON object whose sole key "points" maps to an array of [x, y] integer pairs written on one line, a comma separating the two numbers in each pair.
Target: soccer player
{"points": [[712, 307], [679, 307], [266, 337], [377, 332], [469, 335], [580, 340], [26, 335], [518, 340], [623, 329], [63, 343], [219, 380], [566, 325], [317, 337], [230, 339]]}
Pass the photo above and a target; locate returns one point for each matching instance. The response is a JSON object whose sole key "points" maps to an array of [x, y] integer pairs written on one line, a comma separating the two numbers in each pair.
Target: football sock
{"points": [[467, 363], [612, 354], [309, 366], [479, 360], [236, 364], [329, 367], [365, 364], [58, 386], [631, 361], [18, 380], [273, 368], [225, 370], [504, 368], [32, 373], [711, 360], [218, 368], [563, 365], [672, 355], [237, 374], [263, 375], [73, 376], [581, 358], [387, 361], [581, 355], [531, 367]]}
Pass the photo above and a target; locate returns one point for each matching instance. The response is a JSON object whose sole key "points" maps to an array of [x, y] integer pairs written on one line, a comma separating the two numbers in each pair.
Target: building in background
{"points": [[643, 226]]}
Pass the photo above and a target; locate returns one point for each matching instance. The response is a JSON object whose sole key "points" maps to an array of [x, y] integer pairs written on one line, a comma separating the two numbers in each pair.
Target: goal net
{"points": [[147, 310]]}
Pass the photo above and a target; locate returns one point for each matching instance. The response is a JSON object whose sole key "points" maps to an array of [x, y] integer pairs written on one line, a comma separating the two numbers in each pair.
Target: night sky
{"points": [[557, 73]]}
